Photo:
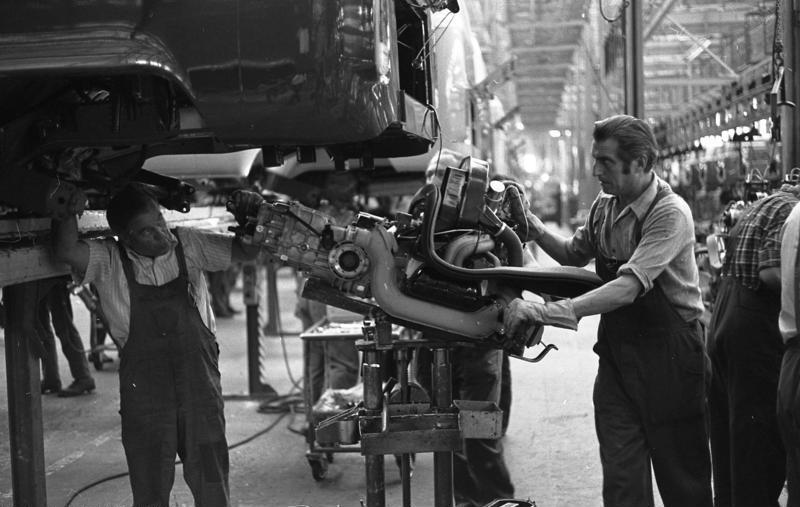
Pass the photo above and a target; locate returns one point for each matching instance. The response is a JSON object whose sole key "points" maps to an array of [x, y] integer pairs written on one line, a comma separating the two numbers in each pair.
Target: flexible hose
{"points": [[561, 281]]}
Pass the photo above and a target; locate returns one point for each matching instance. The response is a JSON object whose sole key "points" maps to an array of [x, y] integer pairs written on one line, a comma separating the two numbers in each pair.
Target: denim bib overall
{"points": [[170, 394]]}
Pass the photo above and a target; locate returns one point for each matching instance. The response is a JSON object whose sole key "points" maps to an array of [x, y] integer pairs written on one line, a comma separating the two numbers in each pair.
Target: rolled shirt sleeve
{"points": [[667, 237]]}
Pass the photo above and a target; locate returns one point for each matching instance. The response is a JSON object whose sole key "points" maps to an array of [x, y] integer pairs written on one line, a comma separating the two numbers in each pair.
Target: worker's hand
{"points": [[243, 204], [440, 160], [520, 317], [529, 227]]}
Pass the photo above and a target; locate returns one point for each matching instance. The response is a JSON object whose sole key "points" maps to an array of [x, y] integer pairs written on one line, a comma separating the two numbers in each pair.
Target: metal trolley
{"points": [[331, 438]]}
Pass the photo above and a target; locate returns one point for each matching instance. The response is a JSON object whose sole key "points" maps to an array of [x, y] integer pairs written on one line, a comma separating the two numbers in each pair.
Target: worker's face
{"points": [[148, 234], [616, 177]]}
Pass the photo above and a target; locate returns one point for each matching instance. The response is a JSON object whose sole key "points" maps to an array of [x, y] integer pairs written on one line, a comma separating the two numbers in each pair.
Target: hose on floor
{"points": [[240, 443]]}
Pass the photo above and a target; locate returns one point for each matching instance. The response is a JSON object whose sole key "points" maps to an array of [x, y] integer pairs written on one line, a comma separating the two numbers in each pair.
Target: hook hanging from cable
{"points": [[619, 15]]}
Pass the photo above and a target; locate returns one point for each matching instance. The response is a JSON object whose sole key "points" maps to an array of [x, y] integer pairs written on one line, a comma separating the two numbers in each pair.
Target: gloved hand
{"points": [[529, 227], [243, 204], [521, 315], [440, 160]]}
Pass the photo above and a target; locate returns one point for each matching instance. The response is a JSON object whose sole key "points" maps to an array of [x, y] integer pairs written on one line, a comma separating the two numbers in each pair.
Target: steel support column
{"points": [[790, 115], [24, 397], [634, 60]]}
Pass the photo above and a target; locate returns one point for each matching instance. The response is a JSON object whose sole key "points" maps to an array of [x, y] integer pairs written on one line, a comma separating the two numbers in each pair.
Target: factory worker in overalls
{"points": [[650, 389], [153, 292]]}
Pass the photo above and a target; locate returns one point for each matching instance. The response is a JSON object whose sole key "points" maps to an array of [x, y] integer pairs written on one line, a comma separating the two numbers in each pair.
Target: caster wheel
{"points": [[319, 468], [96, 360], [329, 457]]}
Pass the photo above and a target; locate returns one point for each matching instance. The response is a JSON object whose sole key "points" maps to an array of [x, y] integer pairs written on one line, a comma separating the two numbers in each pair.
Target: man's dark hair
{"points": [[132, 200], [634, 137]]}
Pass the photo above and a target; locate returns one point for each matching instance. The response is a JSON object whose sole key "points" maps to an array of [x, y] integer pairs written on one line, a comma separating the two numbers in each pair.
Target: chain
{"points": [[777, 41]]}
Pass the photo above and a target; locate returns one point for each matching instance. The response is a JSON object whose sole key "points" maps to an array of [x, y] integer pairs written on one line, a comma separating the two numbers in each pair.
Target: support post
{"points": [[24, 397], [790, 115], [373, 403], [634, 60], [254, 294], [442, 399], [405, 459]]}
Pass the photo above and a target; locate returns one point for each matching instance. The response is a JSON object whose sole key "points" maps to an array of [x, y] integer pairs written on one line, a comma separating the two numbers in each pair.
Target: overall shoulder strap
{"points": [[180, 255], [127, 265], [660, 194]]}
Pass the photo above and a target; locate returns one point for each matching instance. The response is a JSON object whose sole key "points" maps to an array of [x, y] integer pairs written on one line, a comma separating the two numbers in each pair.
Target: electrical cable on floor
{"points": [[177, 462], [285, 404]]}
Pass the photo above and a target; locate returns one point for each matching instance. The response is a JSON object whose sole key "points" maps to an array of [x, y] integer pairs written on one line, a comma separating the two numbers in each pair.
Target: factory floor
{"points": [[550, 447]]}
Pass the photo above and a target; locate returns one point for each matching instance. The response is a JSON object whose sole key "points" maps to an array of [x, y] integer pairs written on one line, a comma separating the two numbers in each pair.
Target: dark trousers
{"points": [[745, 347], [630, 442], [56, 305], [480, 474], [788, 407]]}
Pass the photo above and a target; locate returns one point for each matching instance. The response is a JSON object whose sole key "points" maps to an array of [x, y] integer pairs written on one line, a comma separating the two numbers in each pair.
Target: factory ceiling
{"points": [[563, 48]]}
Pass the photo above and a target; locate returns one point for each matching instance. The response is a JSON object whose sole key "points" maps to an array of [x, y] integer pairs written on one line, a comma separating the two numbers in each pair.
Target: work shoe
{"points": [[50, 387], [78, 387]]}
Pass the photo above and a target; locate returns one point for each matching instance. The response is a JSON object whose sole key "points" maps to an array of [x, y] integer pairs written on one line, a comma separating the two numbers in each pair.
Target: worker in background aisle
{"points": [[333, 364], [649, 393], [788, 403], [480, 474], [151, 284], [56, 305], [745, 346]]}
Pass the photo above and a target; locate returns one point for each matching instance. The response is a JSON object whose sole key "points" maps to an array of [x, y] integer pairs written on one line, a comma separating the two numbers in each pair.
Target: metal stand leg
{"points": [[442, 391], [373, 403], [405, 459], [254, 294]]}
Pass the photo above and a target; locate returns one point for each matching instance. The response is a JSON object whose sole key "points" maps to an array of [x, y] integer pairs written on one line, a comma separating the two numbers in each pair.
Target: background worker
{"points": [[480, 474], [788, 402], [154, 295], [333, 364], [56, 305], [649, 394], [745, 347]]}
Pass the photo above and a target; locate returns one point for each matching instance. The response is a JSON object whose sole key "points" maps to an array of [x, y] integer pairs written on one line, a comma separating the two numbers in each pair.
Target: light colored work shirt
{"points": [[665, 252], [787, 320], [204, 251]]}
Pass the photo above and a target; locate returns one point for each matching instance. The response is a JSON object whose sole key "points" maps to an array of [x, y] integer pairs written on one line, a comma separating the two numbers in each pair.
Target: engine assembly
{"points": [[446, 267]]}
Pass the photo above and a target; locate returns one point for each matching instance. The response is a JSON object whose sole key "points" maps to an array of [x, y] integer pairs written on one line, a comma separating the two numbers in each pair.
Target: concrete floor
{"points": [[550, 447]]}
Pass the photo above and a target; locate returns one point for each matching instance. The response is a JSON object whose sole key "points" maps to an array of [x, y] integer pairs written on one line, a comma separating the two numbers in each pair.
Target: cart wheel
{"points": [[319, 468], [95, 359], [329, 457]]}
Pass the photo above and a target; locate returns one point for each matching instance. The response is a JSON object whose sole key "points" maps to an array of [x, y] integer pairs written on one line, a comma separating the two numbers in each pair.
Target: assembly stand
{"points": [[406, 431]]}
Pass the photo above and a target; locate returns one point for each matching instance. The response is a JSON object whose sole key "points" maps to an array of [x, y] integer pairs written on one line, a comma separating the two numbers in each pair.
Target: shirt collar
{"points": [[642, 203], [135, 256], [791, 189]]}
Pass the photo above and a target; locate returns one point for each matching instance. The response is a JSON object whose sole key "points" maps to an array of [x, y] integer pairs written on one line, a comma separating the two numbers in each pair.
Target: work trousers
{"points": [[56, 305], [745, 347], [788, 407], [480, 474], [649, 400]]}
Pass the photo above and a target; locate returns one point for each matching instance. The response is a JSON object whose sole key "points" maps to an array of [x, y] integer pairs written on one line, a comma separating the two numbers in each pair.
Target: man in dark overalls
{"points": [[153, 290], [650, 390], [788, 404], [746, 348]]}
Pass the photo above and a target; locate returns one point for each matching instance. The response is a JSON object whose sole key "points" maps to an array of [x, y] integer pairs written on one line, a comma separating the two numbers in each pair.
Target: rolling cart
{"points": [[332, 422], [321, 448]]}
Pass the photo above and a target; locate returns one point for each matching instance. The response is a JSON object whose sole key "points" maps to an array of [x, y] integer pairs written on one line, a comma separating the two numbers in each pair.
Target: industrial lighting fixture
{"points": [[554, 133], [697, 49]]}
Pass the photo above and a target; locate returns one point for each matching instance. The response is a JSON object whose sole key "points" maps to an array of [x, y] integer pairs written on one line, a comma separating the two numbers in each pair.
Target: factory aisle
{"points": [[550, 448]]}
